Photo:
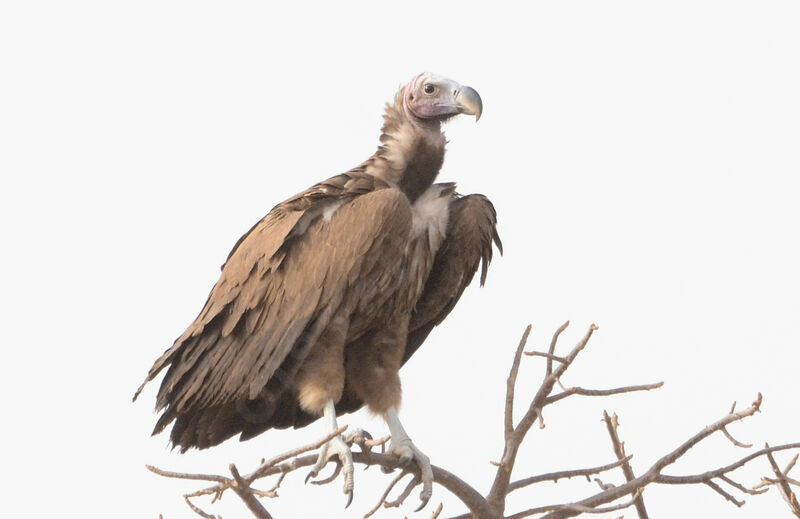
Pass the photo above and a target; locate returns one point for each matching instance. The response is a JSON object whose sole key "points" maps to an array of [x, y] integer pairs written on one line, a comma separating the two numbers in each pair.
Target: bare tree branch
{"points": [[740, 487], [601, 392], [577, 508], [699, 478], [783, 485], [511, 384], [385, 494], [499, 490], [549, 356], [552, 349], [619, 450], [654, 473], [245, 493], [492, 505], [565, 474], [734, 440]]}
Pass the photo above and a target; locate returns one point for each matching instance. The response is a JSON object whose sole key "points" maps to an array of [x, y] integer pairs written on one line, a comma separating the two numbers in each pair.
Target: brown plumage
{"points": [[329, 294]]}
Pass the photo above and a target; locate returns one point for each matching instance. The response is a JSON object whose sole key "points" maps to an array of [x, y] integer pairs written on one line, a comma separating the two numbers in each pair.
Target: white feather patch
{"points": [[327, 213], [431, 212]]}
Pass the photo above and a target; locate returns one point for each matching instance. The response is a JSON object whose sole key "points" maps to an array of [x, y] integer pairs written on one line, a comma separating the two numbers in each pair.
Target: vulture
{"points": [[321, 302]]}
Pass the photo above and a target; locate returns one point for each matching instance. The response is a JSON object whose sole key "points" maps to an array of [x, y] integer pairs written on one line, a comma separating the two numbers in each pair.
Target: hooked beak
{"points": [[469, 102]]}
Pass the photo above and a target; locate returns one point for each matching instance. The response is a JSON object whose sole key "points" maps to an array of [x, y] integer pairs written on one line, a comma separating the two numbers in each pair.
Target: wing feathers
{"points": [[471, 230], [280, 287]]}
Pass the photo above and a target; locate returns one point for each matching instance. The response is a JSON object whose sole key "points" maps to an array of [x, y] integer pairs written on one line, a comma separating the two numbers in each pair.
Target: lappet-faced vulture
{"points": [[322, 301]]}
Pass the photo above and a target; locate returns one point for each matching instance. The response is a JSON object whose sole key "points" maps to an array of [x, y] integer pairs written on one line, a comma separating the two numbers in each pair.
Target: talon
{"points": [[336, 470], [349, 498], [424, 497], [310, 475]]}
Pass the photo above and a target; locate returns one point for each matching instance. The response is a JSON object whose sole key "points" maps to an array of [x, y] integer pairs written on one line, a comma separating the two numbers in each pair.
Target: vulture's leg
{"points": [[336, 446], [402, 447]]}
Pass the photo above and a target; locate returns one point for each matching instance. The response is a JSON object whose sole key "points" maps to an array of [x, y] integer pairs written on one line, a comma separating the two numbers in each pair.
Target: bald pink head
{"points": [[428, 97]]}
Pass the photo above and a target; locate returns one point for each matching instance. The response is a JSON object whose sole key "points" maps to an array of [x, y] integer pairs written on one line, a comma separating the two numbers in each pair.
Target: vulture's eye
{"points": [[429, 89]]}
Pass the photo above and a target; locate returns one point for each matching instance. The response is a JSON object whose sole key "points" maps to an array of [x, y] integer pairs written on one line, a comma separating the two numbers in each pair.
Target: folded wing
{"points": [[279, 288], [468, 244]]}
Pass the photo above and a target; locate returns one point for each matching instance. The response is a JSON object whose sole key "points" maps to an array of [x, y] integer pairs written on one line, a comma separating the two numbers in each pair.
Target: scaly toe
{"points": [[406, 451]]}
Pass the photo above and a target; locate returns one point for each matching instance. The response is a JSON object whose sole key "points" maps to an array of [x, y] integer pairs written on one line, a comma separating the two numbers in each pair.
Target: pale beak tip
{"points": [[470, 102]]}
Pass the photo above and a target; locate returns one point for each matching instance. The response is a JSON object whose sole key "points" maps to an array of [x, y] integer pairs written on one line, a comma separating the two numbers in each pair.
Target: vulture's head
{"points": [[428, 97]]}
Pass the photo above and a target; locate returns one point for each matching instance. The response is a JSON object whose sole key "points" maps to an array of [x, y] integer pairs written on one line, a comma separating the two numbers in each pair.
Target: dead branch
{"points": [[576, 508], [653, 475], [462, 490], [619, 449], [782, 483], [385, 496], [565, 474], [512, 382], [601, 392], [492, 505]]}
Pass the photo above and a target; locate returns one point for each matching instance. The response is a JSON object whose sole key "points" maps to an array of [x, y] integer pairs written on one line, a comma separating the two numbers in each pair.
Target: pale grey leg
{"points": [[402, 447], [336, 446]]}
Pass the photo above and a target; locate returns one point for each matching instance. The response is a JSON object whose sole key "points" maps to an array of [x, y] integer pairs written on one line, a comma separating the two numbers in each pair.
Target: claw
{"points": [[337, 469], [424, 497], [406, 451], [349, 498]]}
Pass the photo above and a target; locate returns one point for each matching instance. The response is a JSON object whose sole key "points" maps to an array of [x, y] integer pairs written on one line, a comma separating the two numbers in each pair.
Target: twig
{"points": [[385, 494], [716, 488], [699, 478], [740, 487], [405, 493], [549, 356], [511, 383], [552, 349], [601, 392], [196, 509], [266, 465], [577, 508], [654, 473], [790, 465], [783, 486], [734, 440], [565, 474], [619, 450], [182, 475], [245, 493]]}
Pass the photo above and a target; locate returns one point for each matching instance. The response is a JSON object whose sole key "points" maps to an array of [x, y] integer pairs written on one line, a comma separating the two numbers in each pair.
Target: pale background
{"points": [[643, 158]]}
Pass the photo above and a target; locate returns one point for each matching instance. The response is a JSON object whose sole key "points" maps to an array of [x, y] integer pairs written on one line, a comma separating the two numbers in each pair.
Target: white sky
{"points": [[643, 159]]}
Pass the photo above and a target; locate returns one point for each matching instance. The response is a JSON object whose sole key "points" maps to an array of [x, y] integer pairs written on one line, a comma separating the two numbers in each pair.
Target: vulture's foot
{"points": [[336, 446], [405, 450]]}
